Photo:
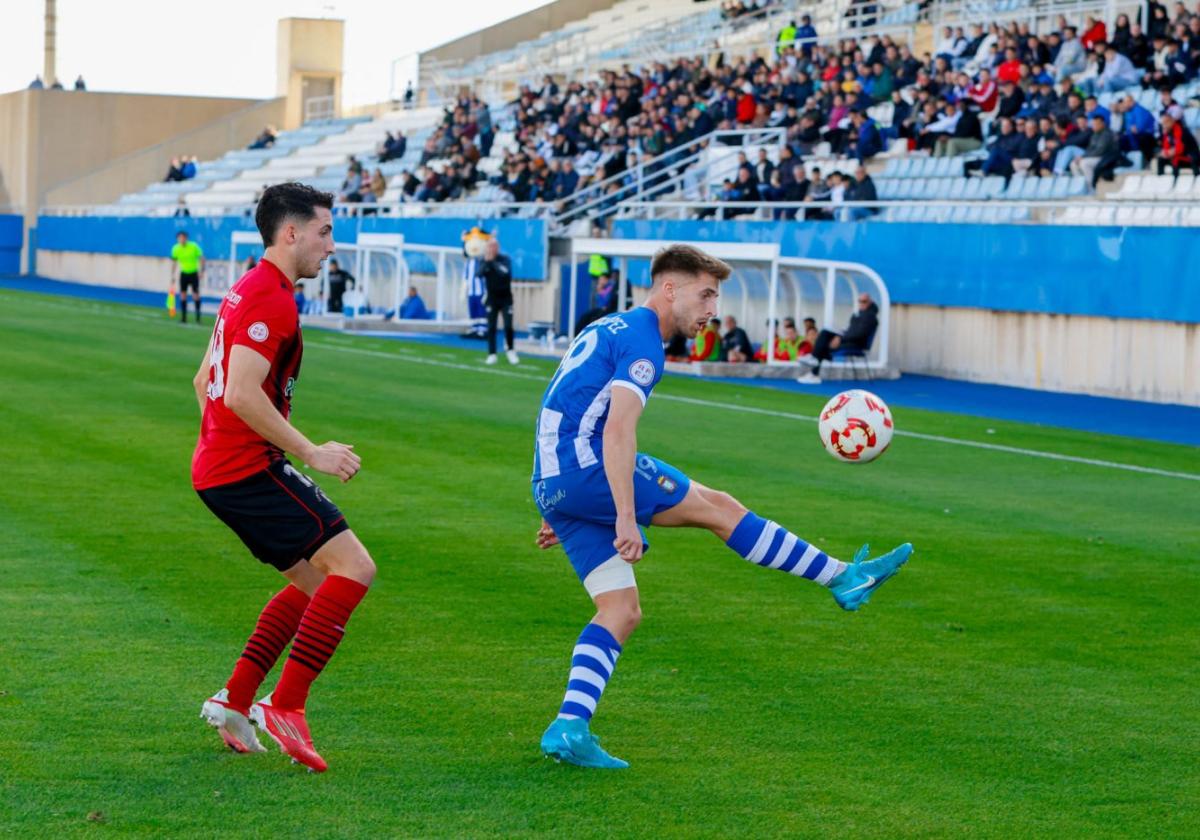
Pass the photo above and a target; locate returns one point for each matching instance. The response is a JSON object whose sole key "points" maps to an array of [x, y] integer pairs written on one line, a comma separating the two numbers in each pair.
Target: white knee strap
{"points": [[614, 573]]}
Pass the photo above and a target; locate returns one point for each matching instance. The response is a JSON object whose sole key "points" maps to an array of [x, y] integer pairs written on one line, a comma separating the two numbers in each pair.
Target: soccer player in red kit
{"points": [[240, 470]]}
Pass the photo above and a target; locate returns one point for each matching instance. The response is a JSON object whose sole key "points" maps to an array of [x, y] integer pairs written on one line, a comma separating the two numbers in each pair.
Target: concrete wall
{"points": [[308, 55], [509, 33], [1157, 361], [1137, 359], [133, 172], [50, 137]]}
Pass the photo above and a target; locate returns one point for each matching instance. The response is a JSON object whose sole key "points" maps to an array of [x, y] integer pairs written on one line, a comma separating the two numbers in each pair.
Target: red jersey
{"points": [[259, 312]]}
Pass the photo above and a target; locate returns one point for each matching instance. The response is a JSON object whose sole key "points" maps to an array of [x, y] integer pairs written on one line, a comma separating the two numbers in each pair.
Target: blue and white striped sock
{"points": [[764, 543], [592, 664]]}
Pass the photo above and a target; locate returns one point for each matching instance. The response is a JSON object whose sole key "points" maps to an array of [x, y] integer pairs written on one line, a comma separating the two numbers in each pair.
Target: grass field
{"points": [[1032, 672]]}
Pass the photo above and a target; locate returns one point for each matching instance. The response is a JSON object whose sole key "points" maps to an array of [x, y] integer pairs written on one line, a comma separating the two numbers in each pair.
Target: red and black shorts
{"points": [[281, 515]]}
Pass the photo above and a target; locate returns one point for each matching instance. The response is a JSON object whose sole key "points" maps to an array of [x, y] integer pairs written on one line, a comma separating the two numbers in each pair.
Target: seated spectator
{"points": [[80, 84], [1012, 100], [858, 336], [736, 343], [174, 171], [863, 189], [967, 135], [1004, 151], [266, 139], [1118, 73], [352, 186], [181, 209], [1179, 150], [1101, 156], [413, 308], [1075, 139], [1071, 58], [810, 337], [867, 141], [1095, 33], [1138, 127], [301, 301], [188, 170], [707, 347], [378, 183], [1027, 147], [984, 92]]}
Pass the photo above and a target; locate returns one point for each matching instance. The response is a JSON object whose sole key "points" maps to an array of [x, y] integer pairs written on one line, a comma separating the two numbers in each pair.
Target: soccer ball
{"points": [[855, 427]]}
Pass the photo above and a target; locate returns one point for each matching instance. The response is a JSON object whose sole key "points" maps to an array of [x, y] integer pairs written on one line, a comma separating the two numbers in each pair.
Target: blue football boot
{"points": [[571, 741], [853, 587]]}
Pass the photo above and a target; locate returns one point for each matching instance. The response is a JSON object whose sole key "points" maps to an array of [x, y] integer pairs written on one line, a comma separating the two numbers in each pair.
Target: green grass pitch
{"points": [[1031, 672]]}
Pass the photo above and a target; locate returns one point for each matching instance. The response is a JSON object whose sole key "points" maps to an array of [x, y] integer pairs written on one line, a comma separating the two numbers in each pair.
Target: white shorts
{"points": [[611, 575]]}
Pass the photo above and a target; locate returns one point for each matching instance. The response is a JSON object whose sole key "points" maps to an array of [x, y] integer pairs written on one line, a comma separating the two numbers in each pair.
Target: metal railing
{"points": [[319, 108], [1163, 212], [657, 175]]}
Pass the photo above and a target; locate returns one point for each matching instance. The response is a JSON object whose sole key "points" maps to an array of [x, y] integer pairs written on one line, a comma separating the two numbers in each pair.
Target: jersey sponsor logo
{"points": [[642, 372], [234, 298], [258, 331], [290, 387]]}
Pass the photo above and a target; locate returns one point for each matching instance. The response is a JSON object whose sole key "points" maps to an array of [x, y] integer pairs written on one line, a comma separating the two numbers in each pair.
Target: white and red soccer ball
{"points": [[856, 427]]}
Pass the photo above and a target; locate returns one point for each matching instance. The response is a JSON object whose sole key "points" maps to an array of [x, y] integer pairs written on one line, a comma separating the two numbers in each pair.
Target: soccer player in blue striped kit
{"points": [[596, 492]]}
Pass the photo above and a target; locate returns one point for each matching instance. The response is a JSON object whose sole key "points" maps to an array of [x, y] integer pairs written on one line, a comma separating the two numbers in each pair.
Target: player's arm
{"points": [[620, 451], [245, 397], [200, 380]]}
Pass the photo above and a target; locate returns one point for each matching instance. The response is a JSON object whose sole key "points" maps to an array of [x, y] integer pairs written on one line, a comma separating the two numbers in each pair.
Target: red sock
{"points": [[276, 625], [321, 628]]}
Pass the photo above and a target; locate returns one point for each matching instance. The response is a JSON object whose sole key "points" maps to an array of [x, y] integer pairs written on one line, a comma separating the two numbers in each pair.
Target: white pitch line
{"points": [[746, 409]]}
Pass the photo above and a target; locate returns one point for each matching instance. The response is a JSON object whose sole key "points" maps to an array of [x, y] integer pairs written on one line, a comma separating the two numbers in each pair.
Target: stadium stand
{"points": [[637, 99]]}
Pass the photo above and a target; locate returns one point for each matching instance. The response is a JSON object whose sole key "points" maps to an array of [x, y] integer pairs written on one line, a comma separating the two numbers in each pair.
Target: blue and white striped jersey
{"points": [[472, 278], [621, 351]]}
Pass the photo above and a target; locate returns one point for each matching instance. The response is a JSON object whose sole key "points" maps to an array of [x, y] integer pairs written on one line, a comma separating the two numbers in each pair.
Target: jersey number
{"points": [[582, 347], [216, 380]]}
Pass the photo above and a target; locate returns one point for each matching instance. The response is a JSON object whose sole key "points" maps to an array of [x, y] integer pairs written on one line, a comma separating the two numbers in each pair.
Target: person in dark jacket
{"points": [[735, 343], [867, 141], [496, 272], [858, 336], [1179, 149]]}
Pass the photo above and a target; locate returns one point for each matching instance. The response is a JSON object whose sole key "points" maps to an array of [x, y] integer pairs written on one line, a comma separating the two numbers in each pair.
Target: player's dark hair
{"points": [[288, 201], [684, 259]]}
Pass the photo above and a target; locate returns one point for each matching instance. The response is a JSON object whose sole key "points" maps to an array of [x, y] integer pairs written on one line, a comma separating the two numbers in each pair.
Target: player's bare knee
{"points": [[622, 619]]}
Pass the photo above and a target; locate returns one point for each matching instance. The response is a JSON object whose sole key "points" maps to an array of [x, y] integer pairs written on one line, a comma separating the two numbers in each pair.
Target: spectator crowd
{"points": [[1021, 102]]}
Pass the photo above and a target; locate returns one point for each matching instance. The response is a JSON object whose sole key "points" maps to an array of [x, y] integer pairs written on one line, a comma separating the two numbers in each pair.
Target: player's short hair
{"points": [[288, 201], [684, 259]]}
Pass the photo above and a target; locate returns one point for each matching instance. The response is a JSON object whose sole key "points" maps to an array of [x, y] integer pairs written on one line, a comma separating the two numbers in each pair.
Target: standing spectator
{"points": [[496, 271], [1179, 148], [80, 84], [409, 95], [806, 36], [190, 261], [339, 283], [181, 209], [736, 343]]}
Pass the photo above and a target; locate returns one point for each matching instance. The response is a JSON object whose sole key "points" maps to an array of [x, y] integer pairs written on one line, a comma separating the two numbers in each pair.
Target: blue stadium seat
{"points": [[957, 187], [993, 186], [974, 188]]}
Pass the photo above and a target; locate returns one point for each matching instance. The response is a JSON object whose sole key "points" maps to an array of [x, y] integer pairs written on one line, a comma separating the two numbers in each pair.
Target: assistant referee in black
{"points": [[496, 271]]}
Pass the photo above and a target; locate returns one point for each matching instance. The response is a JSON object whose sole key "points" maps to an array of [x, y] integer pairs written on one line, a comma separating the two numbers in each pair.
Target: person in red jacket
{"points": [[746, 105], [984, 93], [1179, 148], [1095, 33], [1010, 69]]}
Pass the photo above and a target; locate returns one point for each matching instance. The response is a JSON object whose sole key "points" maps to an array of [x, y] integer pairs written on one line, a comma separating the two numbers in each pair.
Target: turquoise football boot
{"points": [[571, 741], [853, 587]]}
